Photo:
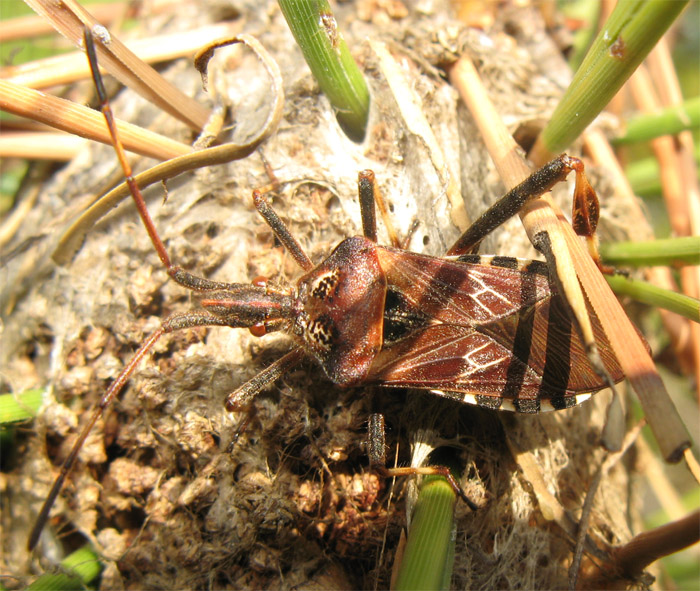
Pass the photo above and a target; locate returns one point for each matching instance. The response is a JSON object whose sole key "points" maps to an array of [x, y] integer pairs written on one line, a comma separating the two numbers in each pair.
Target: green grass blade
{"points": [[626, 38], [666, 122], [20, 407], [656, 296], [81, 568], [643, 175], [673, 252], [315, 30], [429, 554]]}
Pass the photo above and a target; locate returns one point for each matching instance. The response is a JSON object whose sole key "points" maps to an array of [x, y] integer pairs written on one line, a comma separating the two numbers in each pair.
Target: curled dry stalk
{"points": [[74, 236]]}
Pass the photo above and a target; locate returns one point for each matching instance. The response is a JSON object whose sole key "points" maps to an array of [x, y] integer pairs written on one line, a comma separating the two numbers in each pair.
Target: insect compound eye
{"points": [[258, 330]]}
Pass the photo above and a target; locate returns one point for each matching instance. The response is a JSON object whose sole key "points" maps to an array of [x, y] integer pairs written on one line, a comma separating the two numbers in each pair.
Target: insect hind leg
{"points": [[376, 449], [539, 182]]}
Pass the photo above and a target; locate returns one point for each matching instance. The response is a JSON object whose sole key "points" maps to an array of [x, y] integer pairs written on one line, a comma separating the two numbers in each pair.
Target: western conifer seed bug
{"points": [[485, 330]]}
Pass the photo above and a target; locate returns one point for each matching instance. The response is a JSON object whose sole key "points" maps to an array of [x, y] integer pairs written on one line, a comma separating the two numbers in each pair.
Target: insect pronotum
{"points": [[484, 330]]}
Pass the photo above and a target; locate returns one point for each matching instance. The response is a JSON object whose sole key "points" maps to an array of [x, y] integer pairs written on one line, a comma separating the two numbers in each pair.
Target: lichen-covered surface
{"points": [[159, 489]]}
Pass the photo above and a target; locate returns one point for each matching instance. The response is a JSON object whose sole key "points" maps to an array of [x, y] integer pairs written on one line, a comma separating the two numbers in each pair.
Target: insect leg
{"points": [[121, 155], [366, 192], [538, 183], [371, 197], [241, 397], [281, 231], [376, 449], [376, 440]]}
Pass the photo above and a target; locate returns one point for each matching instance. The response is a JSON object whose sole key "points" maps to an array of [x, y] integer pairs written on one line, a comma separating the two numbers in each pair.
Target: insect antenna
{"points": [[116, 386], [176, 322], [106, 109]]}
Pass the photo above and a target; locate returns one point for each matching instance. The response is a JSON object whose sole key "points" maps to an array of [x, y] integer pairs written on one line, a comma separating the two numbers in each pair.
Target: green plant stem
{"points": [[20, 407], [656, 296], [429, 554], [668, 252], [666, 122], [643, 175], [81, 568], [626, 38], [316, 31]]}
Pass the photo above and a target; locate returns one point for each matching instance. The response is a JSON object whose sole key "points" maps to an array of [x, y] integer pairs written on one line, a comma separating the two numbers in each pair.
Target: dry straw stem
{"points": [[646, 98], [39, 145], [550, 507], [662, 68], [33, 26], [83, 121], [679, 185], [73, 238], [632, 354], [678, 328], [69, 18], [417, 123], [71, 67]]}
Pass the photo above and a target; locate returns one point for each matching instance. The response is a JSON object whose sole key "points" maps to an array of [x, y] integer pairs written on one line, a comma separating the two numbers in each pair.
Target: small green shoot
{"points": [[314, 27], [658, 297], [429, 554], [20, 407], [625, 39], [671, 252], [666, 122], [80, 569]]}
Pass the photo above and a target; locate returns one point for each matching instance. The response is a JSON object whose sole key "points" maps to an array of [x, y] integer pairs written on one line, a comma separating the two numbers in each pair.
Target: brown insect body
{"points": [[490, 331]]}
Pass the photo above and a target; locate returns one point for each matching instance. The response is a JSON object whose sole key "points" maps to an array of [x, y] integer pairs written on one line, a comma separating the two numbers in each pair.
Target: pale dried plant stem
{"points": [[73, 238], [632, 354], [550, 508], [648, 463], [678, 181], [71, 67], [70, 19], [647, 101], [417, 124], [661, 65], [85, 122], [33, 145], [24, 27], [601, 153]]}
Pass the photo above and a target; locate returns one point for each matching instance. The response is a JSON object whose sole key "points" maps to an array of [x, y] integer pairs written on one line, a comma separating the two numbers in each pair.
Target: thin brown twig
{"points": [[70, 19], [71, 67]]}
